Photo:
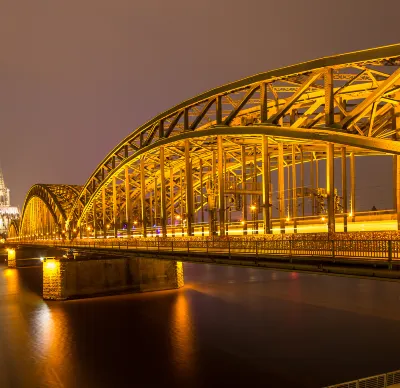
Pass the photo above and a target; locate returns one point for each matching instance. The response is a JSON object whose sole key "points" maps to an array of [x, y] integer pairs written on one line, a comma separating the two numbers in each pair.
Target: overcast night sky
{"points": [[76, 77]]}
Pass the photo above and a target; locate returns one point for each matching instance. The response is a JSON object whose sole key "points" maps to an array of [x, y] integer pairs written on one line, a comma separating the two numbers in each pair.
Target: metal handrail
{"points": [[388, 250], [379, 381]]}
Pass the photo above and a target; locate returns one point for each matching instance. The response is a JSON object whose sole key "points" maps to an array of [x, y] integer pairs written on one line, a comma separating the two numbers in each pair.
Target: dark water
{"points": [[229, 327]]}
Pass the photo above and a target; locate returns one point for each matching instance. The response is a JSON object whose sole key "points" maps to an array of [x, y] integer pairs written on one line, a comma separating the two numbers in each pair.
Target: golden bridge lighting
{"points": [[232, 178]]}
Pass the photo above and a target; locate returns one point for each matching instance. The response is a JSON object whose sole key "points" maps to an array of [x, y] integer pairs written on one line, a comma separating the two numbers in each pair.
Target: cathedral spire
{"points": [[2, 184], [4, 192]]}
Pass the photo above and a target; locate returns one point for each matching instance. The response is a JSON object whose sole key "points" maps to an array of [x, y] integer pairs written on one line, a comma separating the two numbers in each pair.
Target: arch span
{"points": [[46, 208], [237, 145]]}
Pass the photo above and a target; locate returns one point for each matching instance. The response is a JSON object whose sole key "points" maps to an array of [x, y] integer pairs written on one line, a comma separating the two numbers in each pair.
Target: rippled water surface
{"points": [[226, 327]]}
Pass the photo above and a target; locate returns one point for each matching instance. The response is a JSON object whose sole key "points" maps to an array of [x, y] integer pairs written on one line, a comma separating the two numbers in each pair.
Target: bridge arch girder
{"points": [[52, 202], [355, 93], [311, 140]]}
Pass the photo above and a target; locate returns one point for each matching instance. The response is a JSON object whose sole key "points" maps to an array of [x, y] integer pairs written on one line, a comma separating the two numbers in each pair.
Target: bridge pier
{"points": [[28, 256], [66, 279]]}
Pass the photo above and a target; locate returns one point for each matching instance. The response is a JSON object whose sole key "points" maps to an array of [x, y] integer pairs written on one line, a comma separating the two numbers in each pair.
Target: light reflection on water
{"points": [[227, 326]]}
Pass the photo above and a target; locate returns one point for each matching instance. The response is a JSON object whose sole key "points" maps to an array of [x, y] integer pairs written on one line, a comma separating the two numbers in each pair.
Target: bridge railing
{"points": [[353, 249], [379, 381]]}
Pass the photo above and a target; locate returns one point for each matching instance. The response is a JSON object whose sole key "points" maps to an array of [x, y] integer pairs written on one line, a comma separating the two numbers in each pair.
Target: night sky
{"points": [[76, 77]]}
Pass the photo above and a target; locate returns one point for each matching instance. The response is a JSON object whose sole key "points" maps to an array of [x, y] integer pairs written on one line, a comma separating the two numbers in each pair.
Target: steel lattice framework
{"points": [[217, 152]]}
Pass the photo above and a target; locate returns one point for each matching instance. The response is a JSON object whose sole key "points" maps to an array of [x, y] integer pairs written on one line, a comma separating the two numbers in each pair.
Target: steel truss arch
{"points": [[57, 199], [355, 94], [284, 134], [337, 106]]}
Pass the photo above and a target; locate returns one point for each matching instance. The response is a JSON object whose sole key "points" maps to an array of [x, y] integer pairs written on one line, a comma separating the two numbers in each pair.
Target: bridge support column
{"points": [[11, 258], [163, 194], [103, 208], [65, 279], [397, 183], [265, 185], [353, 187], [143, 197], [344, 188], [189, 189], [94, 218], [172, 201], [114, 188], [244, 196], [221, 187], [330, 186], [281, 188], [128, 206], [294, 189]]}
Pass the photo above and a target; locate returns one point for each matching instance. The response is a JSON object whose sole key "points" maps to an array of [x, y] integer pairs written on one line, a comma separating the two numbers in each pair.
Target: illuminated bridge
{"points": [[243, 158]]}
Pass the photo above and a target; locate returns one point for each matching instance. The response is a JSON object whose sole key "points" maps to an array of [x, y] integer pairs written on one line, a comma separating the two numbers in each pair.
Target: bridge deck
{"points": [[372, 258]]}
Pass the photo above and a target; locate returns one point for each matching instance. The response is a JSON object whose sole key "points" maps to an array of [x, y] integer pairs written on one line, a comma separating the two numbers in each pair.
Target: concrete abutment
{"points": [[67, 279]]}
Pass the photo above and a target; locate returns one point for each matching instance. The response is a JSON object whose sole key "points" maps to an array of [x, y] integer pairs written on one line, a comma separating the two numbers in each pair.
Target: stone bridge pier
{"points": [[23, 256], [83, 276], [66, 278]]}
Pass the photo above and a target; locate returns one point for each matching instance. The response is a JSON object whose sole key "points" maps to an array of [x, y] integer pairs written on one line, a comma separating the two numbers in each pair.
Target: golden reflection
{"points": [[52, 341], [12, 281], [182, 333]]}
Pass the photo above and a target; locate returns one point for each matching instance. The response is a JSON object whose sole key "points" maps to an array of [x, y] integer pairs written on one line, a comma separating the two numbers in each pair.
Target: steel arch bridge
{"points": [[218, 154]]}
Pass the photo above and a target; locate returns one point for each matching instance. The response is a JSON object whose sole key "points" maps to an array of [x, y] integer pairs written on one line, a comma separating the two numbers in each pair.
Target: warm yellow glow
{"points": [[74, 230], [322, 218], [135, 222], [88, 228], [51, 264], [178, 217], [351, 214], [108, 225], [287, 218], [253, 207], [242, 222]]}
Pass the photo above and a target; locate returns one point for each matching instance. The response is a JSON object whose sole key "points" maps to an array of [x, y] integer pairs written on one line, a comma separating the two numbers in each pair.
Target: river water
{"points": [[228, 327]]}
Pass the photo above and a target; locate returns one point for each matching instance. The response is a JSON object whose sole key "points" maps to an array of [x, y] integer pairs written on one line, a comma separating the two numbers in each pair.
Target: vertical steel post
{"points": [[263, 102], [312, 181], [329, 108], [143, 196], [398, 190], [218, 109], [344, 188], [163, 194], [281, 188], [189, 189], [330, 186], [94, 209], [394, 179], [172, 200], [114, 186], [201, 197], [181, 201], [302, 180], [128, 206], [211, 218], [353, 186], [151, 204], [103, 208], [254, 196], [221, 187], [155, 200], [244, 196], [265, 184], [294, 189]]}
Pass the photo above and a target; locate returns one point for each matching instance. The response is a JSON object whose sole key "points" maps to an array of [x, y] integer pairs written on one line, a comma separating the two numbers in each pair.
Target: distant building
{"points": [[7, 212]]}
